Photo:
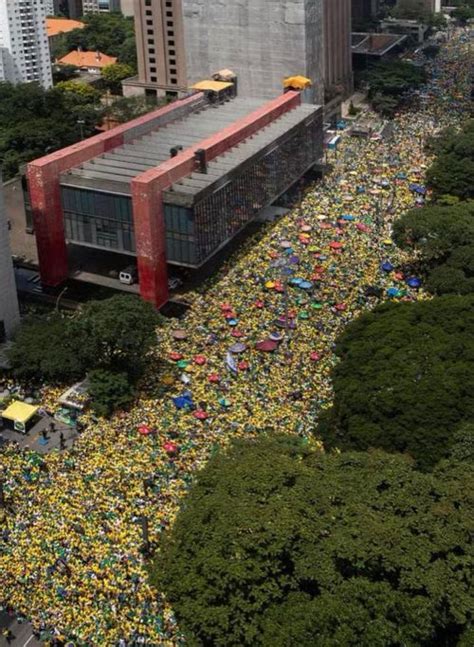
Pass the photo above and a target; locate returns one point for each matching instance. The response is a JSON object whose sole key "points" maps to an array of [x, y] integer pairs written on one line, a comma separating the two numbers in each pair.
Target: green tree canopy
{"points": [[453, 169], [114, 74], [34, 121], [405, 381], [117, 333], [109, 391], [389, 81], [279, 546], [46, 348], [444, 238]]}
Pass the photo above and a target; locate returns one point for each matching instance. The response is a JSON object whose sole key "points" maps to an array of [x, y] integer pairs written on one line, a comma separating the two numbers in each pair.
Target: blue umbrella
{"points": [[296, 281], [294, 260], [386, 266], [414, 282], [182, 402], [347, 216], [393, 292], [306, 285]]}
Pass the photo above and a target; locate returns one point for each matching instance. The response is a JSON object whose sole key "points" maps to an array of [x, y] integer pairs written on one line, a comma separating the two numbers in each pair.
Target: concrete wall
{"points": [[262, 41], [9, 313]]}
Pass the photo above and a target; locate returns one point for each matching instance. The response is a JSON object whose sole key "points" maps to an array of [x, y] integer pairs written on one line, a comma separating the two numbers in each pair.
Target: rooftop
{"points": [[187, 190], [114, 170], [56, 26], [87, 59], [375, 44]]}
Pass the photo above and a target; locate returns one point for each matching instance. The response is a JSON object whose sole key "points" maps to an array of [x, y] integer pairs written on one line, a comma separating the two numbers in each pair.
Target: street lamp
{"points": [[81, 124]]}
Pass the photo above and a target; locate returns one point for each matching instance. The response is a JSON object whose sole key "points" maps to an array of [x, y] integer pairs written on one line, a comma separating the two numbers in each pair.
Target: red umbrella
{"points": [[230, 314], [200, 414], [237, 333], [315, 356], [170, 448], [340, 306], [259, 304], [175, 357], [336, 245], [144, 430], [214, 378], [200, 360], [226, 306], [243, 365], [267, 346]]}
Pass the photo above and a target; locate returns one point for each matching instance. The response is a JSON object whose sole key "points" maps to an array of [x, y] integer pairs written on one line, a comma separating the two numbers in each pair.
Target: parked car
{"points": [[129, 275]]}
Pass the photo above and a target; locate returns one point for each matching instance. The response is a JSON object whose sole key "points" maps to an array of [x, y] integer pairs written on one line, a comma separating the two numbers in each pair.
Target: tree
{"points": [[277, 545], [411, 10], [125, 109], [79, 93], [34, 121], [453, 169], [405, 381], [114, 335], [109, 391], [117, 333], [46, 349], [443, 236], [64, 73], [390, 81], [114, 74]]}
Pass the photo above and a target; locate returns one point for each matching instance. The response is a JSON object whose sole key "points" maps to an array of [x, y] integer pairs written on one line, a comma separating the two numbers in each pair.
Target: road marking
{"points": [[29, 639]]}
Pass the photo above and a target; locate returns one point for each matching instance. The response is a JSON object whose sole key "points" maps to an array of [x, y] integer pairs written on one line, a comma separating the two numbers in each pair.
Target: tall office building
{"points": [[100, 6], [364, 10], [9, 312], [181, 42], [24, 49]]}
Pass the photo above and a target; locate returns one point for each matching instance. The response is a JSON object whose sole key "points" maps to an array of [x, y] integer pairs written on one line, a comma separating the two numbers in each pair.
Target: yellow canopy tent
{"points": [[214, 86], [20, 414], [297, 82]]}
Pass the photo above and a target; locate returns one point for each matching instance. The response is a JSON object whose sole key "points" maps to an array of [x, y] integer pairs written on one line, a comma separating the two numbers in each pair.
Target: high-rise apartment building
{"points": [[24, 49], [9, 313], [181, 42]]}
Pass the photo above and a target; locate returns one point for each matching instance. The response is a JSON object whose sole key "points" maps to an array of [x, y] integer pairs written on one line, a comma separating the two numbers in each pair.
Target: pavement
{"points": [[33, 439], [23, 245], [22, 632]]}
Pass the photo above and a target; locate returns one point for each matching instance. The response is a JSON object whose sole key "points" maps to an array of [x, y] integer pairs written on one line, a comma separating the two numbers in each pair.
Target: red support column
{"points": [[45, 197], [150, 241]]}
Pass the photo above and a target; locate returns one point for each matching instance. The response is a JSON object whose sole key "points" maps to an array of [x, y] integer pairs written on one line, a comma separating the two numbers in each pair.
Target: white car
{"points": [[174, 283]]}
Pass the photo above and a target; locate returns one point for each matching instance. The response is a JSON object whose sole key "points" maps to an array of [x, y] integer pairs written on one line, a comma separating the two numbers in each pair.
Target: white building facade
{"points": [[9, 312], [24, 49]]}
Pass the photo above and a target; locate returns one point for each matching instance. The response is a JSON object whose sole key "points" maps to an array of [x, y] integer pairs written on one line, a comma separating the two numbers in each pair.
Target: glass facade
{"points": [[98, 219], [105, 220], [221, 215]]}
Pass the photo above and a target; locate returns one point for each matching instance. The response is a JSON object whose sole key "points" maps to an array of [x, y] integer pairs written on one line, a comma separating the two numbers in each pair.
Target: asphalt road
{"points": [[22, 633]]}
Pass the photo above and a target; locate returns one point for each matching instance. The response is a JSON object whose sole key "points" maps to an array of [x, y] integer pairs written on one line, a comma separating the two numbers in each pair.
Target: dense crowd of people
{"points": [[253, 354]]}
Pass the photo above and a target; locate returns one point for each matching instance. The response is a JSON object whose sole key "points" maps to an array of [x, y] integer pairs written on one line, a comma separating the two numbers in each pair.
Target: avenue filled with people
{"points": [[253, 354]]}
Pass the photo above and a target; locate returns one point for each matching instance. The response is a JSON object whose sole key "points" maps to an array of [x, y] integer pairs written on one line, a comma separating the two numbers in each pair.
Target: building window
{"points": [[151, 41], [151, 50], [149, 32], [153, 79], [152, 69]]}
